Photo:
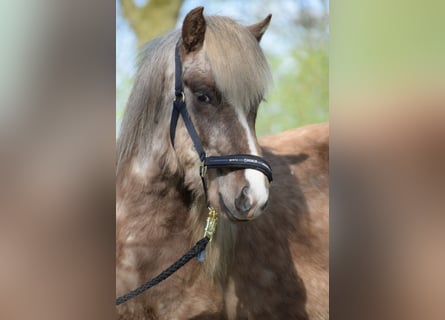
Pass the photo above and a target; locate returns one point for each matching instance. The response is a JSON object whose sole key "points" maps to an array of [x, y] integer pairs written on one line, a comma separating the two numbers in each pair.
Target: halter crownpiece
{"points": [[235, 161]]}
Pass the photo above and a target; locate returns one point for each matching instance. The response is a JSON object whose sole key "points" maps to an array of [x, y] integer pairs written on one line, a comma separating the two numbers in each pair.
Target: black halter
{"points": [[235, 161]]}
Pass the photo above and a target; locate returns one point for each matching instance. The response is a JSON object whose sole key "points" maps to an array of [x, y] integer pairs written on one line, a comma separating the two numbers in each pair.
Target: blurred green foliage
{"points": [[300, 94]]}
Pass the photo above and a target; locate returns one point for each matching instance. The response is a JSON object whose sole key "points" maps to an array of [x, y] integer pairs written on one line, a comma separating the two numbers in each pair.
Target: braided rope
{"points": [[193, 252]]}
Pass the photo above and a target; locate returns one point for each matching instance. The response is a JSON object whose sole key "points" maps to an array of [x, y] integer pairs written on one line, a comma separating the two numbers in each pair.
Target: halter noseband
{"points": [[235, 161]]}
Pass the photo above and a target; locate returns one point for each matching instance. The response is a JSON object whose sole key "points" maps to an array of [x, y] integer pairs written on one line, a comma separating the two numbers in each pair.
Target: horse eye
{"points": [[203, 98]]}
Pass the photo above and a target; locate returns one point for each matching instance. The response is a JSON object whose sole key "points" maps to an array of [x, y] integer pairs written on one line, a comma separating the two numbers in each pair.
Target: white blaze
{"points": [[255, 178]]}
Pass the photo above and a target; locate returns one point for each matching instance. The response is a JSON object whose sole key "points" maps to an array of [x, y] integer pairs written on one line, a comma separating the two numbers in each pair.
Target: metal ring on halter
{"points": [[182, 95]]}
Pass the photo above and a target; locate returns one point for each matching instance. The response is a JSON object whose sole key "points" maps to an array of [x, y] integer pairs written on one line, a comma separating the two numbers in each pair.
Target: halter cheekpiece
{"points": [[235, 161]]}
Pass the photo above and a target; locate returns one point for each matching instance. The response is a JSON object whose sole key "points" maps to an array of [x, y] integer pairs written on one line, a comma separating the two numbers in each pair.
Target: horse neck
{"points": [[151, 196], [159, 199]]}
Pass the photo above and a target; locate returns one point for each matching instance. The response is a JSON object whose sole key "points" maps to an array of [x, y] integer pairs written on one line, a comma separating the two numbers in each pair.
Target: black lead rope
{"points": [[193, 252], [236, 161]]}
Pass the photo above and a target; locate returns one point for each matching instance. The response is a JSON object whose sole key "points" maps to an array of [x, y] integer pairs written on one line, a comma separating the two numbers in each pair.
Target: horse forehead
{"points": [[240, 74], [197, 68]]}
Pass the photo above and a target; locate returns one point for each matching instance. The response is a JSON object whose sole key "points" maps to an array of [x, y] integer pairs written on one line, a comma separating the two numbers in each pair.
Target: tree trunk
{"points": [[151, 20]]}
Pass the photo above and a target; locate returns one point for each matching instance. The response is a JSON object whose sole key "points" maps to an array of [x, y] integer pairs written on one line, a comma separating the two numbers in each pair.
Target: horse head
{"points": [[225, 76]]}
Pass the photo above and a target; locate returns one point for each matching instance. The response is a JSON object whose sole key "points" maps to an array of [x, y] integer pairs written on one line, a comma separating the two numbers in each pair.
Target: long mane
{"points": [[149, 100]]}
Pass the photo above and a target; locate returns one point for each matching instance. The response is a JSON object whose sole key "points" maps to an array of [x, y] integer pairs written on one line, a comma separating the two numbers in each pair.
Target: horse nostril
{"points": [[244, 203]]}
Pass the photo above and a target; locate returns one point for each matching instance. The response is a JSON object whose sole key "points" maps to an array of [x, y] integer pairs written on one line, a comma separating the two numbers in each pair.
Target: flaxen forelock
{"points": [[239, 67]]}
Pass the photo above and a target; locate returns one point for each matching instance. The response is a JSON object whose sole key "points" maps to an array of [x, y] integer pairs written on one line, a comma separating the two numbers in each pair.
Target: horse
{"points": [[268, 258]]}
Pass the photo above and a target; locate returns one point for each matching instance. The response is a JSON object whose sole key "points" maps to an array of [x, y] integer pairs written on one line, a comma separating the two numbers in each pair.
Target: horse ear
{"points": [[259, 28], [193, 30]]}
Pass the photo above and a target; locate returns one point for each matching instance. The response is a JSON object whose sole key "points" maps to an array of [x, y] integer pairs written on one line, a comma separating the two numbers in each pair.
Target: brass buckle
{"points": [[203, 169], [212, 221]]}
